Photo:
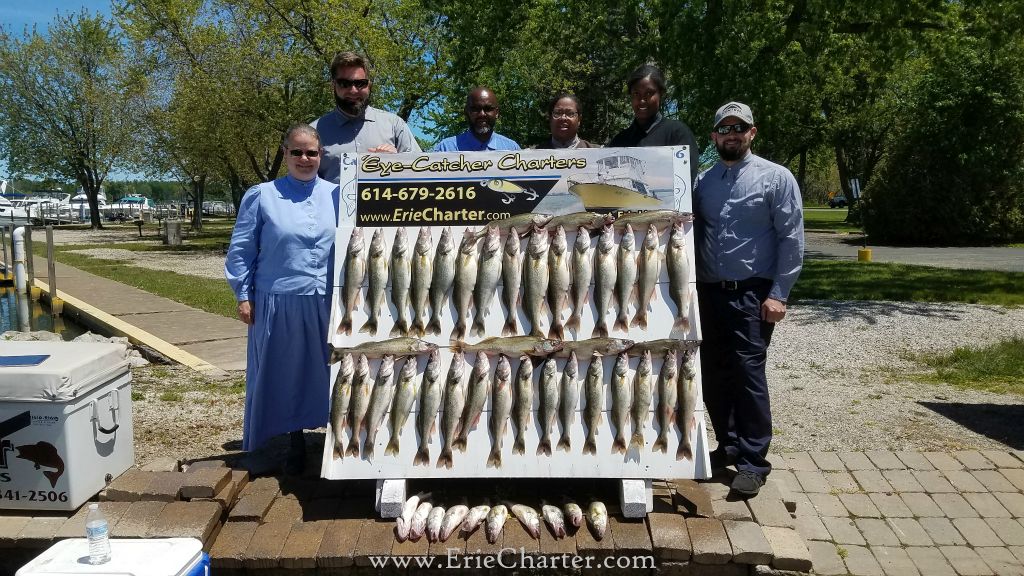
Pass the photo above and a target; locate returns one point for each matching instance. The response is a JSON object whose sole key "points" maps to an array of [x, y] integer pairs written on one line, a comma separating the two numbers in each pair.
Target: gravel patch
{"points": [[201, 264]]}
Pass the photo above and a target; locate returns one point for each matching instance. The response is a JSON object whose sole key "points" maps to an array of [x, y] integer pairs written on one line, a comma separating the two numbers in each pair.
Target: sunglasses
{"points": [[346, 83], [740, 128], [296, 153]]}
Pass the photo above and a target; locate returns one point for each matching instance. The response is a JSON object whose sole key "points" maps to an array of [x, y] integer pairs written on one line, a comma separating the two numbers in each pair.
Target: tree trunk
{"points": [[198, 193], [92, 193], [801, 175]]}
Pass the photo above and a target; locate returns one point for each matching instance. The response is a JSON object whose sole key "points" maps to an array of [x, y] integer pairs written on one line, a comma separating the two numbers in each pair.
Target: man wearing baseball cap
{"points": [[750, 244]]}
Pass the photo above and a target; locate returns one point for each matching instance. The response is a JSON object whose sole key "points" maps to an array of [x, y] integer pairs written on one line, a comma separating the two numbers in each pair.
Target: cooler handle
{"points": [[113, 411]]}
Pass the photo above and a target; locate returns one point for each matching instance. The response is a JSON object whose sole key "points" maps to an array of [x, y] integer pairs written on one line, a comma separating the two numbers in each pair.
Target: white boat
{"points": [[51, 207], [131, 204], [618, 184], [11, 214]]}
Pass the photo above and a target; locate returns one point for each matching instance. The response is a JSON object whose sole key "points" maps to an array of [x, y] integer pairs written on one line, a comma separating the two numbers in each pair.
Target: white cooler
{"points": [[164, 557], [65, 423]]}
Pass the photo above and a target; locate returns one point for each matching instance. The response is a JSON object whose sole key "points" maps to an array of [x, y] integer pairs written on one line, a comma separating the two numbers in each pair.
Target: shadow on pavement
{"points": [[870, 311], [999, 422]]}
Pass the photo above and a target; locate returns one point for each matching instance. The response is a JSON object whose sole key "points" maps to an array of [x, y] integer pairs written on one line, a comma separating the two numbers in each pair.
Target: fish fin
{"points": [[621, 322], [564, 443], [660, 445], [536, 332], [459, 332], [590, 446], [460, 443], [478, 327], [370, 327], [640, 319], [368, 446], [619, 446], [519, 446], [345, 326], [685, 451], [353, 446], [494, 459], [557, 331], [434, 326], [392, 449], [600, 329], [573, 323], [422, 457], [544, 448], [445, 459], [339, 450], [511, 327], [637, 441]]}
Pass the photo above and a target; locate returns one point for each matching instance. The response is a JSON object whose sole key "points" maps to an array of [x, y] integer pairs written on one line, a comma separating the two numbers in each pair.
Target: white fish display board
{"points": [[465, 191]]}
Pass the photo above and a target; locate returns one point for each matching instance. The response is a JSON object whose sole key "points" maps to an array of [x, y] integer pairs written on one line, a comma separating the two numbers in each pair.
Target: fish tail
{"points": [[418, 329], [422, 457], [511, 326], [573, 323], [53, 476], [544, 448], [564, 443], [370, 327], [557, 331], [640, 320], [460, 443], [621, 322], [519, 447], [478, 327], [368, 445], [681, 323], [339, 449], [353, 446], [601, 329], [392, 449], [459, 332], [685, 451], [494, 459], [660, 445], [590, 446], [399, 329], [345, 327], [434, 326], [536, 331], [637, 441], [445, 459], [619, 445]]}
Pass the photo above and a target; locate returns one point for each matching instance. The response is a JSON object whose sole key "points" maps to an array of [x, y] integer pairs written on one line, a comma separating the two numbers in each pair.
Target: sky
{"points": [[15, 15]]}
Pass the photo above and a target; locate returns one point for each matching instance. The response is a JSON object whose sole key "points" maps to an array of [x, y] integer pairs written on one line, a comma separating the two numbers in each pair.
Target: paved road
{"points": [[845, 246]]}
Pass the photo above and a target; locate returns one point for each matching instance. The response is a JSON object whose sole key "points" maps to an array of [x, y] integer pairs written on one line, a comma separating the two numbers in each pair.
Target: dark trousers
{"points": [[733, 355]]}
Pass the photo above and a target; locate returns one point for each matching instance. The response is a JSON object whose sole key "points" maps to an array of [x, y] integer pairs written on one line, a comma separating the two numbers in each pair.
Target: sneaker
{"points": [[747, 483]]}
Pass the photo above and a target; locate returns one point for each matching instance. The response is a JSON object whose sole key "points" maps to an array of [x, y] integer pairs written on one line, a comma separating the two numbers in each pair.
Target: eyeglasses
{"points": [[740, 128], [564, 114], [346, 83], [481, 109], [296, 153]]}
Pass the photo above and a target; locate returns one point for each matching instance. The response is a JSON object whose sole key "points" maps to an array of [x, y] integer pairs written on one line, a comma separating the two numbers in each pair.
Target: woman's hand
{"points": [[245, 311]]}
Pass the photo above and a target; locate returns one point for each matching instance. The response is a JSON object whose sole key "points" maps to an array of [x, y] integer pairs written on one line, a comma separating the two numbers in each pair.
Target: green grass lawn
{"points": [[995, 368], [831, 280], [830, 219]]}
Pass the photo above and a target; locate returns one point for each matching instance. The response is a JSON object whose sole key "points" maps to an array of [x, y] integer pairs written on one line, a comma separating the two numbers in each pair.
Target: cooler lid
{"points": [[134, 557], [71, 370]]}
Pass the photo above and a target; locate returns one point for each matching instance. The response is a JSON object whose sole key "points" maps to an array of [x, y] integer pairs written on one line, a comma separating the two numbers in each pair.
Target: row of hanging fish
{"points": [[420, 517], [548, 277], [360, 402]]}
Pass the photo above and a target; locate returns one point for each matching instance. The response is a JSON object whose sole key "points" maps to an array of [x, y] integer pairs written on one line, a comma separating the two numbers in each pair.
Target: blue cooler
{"points": [[128, 557]]}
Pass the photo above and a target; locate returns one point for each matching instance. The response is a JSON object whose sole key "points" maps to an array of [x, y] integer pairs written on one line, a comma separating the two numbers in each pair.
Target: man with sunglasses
{"points": [[749, 240], [482, 113], [355, 126]]}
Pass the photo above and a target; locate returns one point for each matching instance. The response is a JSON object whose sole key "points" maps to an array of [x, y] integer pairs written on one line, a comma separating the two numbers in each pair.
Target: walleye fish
{"points": [[535, 279], [418, 525], [496, 518], [341, 395], [454, 402], [434, 521], [548, 405], [554, 519], [404, 522], [474, 518], [605, 276], [405, 395], [621, 402], [593, 392], [465, 277], [602, 346], [597, 518], [476, 397], [513, 346], [665, 344], [377, 279], [642, 396], [660, 219], [667, 398], [421, 273], [648, 268], [488, 272], [679, 277], [574, 514], [570, 393], [627, 277], [522, 410], [401, 280], [380, 401], [402, 346], [362, 387], [558, 282], [452, 519], [511, 278], [355, 270], [430, 402], [521, 223], [501, 408], [582, 272], [443, 276], [585, 220], [688, 404], [529, 518]]}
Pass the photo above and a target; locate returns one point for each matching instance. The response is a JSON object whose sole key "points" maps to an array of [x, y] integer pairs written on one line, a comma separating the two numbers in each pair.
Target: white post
{"points": [[20, 273]]}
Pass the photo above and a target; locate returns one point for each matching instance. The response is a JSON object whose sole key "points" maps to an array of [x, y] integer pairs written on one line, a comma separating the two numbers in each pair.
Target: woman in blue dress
{"points": [[277, 265]]}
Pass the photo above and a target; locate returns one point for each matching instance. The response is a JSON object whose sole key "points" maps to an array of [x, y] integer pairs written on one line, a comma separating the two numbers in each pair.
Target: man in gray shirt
{"points": [[749, 244], [355, 126]]}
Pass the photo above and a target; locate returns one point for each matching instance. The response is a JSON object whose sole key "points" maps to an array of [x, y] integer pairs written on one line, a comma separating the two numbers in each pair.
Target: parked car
{"points": [[838, 201]]}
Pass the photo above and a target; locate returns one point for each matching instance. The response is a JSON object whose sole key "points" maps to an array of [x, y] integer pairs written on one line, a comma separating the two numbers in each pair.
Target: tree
{"points": [[69, 102]]}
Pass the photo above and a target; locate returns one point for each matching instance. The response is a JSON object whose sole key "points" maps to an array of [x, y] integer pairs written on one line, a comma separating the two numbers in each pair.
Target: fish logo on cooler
{"points": [[41, 454]]}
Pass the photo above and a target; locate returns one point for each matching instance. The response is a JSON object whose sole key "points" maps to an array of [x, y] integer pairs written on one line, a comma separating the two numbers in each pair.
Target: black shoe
{"points": [[720, 459], [747, 483], [295, 462]]}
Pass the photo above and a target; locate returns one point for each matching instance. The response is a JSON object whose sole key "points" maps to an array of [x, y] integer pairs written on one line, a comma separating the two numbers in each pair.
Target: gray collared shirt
{"points": [[340, 133], [749, 224]]}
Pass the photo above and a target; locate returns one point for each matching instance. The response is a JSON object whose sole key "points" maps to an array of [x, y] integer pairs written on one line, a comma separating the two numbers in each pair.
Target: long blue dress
{"points": [[279, 259]]}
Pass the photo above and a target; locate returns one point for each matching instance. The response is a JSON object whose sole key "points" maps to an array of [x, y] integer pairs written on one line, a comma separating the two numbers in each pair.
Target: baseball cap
{"points": [[737, 109]]}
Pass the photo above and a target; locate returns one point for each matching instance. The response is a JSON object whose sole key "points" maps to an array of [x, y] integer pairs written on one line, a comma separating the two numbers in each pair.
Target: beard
{"points": [[731, 154], [352, 108]]}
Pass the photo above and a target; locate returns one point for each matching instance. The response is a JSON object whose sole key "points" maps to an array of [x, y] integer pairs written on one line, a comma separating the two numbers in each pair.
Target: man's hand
{"points": [[383, 149], [245, 311], [773, 310]]}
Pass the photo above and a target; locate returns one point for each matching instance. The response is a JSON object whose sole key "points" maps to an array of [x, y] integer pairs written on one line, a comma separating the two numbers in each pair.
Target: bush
{"points": [[954, 170]]}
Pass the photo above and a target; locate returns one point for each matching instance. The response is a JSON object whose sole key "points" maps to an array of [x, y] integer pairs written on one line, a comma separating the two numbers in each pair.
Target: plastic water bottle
{"points": [[98, 533]]}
